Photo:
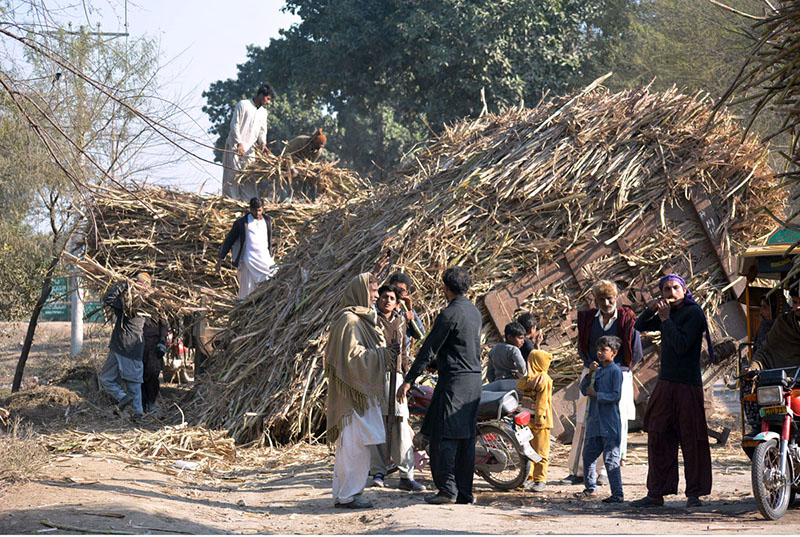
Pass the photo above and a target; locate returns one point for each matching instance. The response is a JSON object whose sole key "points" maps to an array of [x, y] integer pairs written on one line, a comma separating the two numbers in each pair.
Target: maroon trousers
{"points": [[675, 416]]}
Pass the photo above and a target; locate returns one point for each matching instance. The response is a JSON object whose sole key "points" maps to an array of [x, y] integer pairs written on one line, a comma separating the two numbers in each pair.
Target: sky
{"points": [[202, 41]]}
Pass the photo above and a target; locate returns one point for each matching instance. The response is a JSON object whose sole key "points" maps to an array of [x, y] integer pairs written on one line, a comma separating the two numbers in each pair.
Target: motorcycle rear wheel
{"points": [[772, 499], [517, 464]]}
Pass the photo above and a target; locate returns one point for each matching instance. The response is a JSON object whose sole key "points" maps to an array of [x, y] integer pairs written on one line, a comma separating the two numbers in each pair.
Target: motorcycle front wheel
{"points": [[772, 493], [496, 444]]}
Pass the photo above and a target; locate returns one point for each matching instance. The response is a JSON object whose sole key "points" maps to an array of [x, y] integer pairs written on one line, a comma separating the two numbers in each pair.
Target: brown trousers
{"points": [[676, 416]]}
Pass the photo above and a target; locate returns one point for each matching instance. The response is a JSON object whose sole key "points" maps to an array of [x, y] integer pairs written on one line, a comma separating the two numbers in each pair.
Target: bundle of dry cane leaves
{"points": [[175, 236], [502, 195]]}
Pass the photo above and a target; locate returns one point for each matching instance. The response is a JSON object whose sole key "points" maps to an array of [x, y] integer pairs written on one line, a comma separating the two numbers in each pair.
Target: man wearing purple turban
{"points": [[675, 414]]}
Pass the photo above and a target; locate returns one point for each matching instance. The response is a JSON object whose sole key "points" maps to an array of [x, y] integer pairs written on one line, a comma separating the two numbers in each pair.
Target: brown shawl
{"points": [[355, 358], [782, 345]]}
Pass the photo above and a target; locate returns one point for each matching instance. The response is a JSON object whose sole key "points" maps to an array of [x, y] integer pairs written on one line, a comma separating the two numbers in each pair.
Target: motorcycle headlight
{"points": [[770, 395]]}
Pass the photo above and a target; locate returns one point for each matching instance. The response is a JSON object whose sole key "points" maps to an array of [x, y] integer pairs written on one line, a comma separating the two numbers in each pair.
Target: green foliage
{"points": [[24, 257], [689, 43], [389, 71]]}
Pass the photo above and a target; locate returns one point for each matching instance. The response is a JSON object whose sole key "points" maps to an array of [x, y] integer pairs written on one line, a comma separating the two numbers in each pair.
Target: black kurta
{"points": [[454, 341]]}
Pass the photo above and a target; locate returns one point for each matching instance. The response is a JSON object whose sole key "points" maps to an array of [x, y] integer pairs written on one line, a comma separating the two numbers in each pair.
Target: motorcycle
{"points": [[776, 457], [503, 453]]}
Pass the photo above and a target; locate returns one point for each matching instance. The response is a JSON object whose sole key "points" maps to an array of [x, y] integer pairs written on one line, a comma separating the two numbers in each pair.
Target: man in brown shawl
{"points": [[356, 359], [781, 347]]}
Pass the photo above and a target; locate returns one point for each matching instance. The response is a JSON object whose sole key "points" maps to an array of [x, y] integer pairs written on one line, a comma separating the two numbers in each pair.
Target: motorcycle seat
{"points": [[497, 404]]}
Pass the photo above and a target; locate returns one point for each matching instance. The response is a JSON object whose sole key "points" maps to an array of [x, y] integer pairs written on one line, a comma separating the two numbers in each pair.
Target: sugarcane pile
{"points": [[502, 195], [281, 177], [175, 236]]}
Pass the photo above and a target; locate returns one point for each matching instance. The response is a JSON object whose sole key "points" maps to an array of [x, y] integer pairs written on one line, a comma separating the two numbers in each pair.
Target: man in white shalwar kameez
{"points": [[250, 244], [248, 130], [356, 359]]}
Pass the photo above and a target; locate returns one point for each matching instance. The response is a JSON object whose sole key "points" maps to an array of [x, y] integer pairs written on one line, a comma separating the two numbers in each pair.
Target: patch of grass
{"points": [[21, 454]]}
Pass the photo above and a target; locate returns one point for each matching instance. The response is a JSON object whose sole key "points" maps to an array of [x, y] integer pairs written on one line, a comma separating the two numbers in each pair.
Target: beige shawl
{"points": [[355, 358]]}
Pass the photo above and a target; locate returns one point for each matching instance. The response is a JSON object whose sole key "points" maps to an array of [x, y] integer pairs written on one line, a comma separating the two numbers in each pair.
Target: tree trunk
{"points": [[26, 347]]}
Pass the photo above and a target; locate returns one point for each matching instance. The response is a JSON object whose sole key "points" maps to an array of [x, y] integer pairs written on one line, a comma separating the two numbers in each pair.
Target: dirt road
{"points": [[101, 493], [288, 491]]}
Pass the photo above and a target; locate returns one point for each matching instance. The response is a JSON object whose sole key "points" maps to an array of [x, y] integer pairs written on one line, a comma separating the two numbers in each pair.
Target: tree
{"points": [[392, 70], [91, 106]]}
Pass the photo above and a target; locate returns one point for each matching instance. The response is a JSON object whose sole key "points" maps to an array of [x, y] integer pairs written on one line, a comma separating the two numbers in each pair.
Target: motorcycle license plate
{"points": [[524, 435], [773, 410]]}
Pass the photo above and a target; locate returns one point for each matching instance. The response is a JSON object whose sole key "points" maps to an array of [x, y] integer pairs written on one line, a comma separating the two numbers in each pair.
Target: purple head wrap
{"points": [[688, 299]]}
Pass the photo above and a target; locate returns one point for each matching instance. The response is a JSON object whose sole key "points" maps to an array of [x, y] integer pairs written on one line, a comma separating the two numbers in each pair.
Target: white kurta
{"points": [[248, 126], [351, 466], [256, 264]]}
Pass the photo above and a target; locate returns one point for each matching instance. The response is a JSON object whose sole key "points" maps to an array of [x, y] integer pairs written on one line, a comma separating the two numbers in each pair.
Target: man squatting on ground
{"points": [[505, 359], [603, 387], [605, 319], [675, 413], [452, 418], [400, 446], [126, 347], [250, 243], [356, 361], [248, 129]]}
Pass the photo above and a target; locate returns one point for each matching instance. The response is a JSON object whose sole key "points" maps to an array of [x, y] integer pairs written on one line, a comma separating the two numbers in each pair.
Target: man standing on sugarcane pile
{"points": [[452, 419], [248, 129], [306, 147], [124, 361], [606, 319], [155, 347], [356, 361], [250, 244], [675, 413], [399, 436]]}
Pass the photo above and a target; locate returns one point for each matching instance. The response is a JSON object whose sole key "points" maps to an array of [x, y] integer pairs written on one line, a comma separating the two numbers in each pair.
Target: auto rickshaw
{"points": [[771, 396], [767, 269]]}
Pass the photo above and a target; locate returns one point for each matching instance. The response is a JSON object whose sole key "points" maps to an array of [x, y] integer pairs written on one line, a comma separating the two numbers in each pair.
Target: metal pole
{"points": [[76, 314]]}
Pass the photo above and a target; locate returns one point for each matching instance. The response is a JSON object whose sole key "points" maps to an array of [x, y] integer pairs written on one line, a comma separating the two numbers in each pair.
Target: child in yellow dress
{"points": [[538, 385]]}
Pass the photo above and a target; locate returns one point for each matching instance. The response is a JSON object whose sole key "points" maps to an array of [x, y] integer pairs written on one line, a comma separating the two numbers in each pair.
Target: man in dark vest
{"points": [[452, 419], [606, 319]]}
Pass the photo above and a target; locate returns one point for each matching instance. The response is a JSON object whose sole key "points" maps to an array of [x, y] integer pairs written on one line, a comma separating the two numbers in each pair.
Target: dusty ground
{"points": [[288, 491]]}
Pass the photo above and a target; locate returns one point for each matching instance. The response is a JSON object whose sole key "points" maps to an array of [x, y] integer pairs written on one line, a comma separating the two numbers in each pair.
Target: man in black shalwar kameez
{"points": [[451, 420], [675, 413]]}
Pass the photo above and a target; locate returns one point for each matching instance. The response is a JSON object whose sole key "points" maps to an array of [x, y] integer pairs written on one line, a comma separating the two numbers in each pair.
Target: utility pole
{"points": [[76, 295]]}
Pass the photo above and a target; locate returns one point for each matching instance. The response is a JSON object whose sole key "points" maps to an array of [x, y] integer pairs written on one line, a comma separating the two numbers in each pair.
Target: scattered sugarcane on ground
{"points": [[505, 195]]}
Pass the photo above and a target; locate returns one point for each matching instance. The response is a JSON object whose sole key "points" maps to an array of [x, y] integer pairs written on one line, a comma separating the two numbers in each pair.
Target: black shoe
{"points": [[439, 499], [410, 485], [613, 499], [693, 501], [755, 431], [124, 402], [647, 501], [571, 479], [136, 417]]}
